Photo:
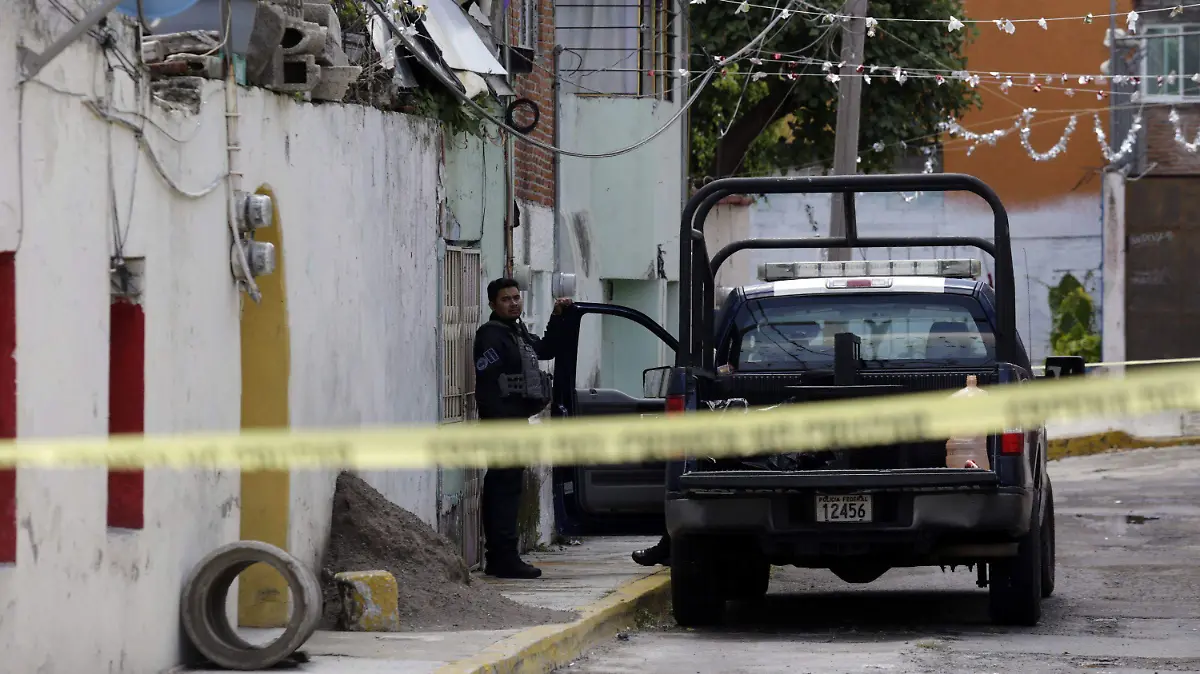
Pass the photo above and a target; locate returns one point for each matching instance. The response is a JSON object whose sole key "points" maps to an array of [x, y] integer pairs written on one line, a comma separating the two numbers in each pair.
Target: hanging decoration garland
{"points": [[953, 23], [1191, 147]]}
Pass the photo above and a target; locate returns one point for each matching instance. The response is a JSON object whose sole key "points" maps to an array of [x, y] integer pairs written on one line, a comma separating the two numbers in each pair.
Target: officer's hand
{"points": [[562, 303]]}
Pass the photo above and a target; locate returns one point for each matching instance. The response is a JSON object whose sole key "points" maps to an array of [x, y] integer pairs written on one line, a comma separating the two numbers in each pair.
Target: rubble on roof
{"points": [[335, 50]]}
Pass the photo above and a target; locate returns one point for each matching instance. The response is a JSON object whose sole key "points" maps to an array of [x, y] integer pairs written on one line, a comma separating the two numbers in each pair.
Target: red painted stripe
{"points": [[126, 408], [8, 403]]}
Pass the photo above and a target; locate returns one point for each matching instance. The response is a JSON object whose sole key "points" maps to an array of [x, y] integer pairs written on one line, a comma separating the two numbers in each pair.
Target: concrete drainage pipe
{"points": [[207, 624]]}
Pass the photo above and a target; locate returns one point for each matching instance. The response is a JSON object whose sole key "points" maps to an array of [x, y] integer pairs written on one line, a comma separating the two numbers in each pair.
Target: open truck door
{"points": [[615, 499]]}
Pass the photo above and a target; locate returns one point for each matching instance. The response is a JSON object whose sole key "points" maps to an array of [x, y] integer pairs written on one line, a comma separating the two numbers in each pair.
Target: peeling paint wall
{"points": [[358, 191]]}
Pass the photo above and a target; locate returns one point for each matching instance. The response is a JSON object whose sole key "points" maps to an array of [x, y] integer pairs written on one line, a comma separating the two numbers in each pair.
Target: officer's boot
{"points": [[659, 553], [511, 566]]}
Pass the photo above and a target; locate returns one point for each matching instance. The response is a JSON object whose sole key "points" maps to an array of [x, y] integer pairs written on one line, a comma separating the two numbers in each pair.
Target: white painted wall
{"points": [[358, 196], [619, 215], [81, 597], [1047, 242]]}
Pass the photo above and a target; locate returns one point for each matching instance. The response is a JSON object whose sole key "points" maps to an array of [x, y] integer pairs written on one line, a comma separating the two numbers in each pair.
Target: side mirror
{"points": [[654, 381], [1064, 366]]}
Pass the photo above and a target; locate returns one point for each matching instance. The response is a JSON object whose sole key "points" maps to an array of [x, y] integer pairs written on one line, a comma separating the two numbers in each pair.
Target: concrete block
{"points": [[271, 72], [209, 67], [153, 52], [370, 601], [335, 82], [269, 24], [302, 37], [293, 9], [300, 74], [190, 42]]}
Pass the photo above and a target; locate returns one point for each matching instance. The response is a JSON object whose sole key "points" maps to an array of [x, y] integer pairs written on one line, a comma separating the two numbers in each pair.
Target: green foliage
{"points": [[1073, 321], [436, 102], [780, 123]]}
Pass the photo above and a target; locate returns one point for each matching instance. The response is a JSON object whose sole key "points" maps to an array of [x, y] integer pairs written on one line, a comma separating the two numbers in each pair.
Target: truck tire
{"points": [[749, 580], [697, 596], [1049, 557], [1015, 585]]}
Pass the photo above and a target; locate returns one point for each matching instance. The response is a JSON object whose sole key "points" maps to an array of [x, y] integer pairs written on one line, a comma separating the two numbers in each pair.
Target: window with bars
{"points": [[1170, 58], [619, 47], [461, 310], [525, 24]]}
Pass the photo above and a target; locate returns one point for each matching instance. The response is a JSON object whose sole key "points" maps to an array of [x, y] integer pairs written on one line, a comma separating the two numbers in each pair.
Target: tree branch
{"points": [[748, 127]]}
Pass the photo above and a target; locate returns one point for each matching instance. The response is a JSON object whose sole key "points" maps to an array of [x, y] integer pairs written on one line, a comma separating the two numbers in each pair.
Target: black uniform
{"points": [[509, 386]]}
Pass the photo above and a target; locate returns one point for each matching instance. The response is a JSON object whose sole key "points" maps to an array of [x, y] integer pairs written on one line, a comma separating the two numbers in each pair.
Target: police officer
{"points": [[510, 385]]}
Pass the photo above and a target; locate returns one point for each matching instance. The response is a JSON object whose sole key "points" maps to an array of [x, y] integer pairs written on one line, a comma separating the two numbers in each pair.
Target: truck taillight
{"points": [[1012, 443], [675, 404]]}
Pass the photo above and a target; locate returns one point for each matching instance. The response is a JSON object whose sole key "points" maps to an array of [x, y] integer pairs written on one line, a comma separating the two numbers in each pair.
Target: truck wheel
{"points": [[749, 580], [1015, 586], [697, 599], [1049, 558]]}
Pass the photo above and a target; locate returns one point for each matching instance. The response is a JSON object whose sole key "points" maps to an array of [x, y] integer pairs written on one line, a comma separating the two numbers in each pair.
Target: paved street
{"points": [[1127, 598]]}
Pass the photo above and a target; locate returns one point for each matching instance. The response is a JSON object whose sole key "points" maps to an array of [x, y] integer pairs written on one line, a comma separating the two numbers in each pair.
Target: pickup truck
{"points": [[813, 331]]}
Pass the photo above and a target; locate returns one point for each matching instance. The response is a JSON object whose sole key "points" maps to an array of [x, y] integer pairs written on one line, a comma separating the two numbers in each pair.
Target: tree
{"points": [[776, 123], [1073, 321]]}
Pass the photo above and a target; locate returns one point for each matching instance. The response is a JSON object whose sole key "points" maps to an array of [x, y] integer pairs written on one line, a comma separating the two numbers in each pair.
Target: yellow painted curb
{"points": [[542, 649], [1099, 443]]}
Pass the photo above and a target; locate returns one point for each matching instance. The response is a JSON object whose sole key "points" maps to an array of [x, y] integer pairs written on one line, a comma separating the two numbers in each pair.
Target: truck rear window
{"points": [[896, 329]]}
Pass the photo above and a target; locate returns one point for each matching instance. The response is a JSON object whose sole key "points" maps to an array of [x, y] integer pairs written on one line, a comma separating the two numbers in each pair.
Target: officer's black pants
{"points": [[501, 502]]}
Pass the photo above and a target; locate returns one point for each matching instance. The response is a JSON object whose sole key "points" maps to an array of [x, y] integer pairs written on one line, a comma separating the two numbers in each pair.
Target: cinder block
{"points": [[370, 601], [335, 82], [299, 74], [190, 42], [290, 8], [269, 24], [271, 72], [302, 37], [209, 67]]}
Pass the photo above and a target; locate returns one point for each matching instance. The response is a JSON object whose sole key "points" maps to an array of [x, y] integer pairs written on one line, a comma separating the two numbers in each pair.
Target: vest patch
{"points": [[490, 356]]}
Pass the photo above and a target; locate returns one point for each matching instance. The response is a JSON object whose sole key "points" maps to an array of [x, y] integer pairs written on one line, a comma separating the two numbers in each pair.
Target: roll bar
{"points": [[697, 272]]}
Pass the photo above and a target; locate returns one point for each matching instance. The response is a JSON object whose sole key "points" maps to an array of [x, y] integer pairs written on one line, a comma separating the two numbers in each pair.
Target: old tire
{"points": [[1015, 585], [697, 599], [203, 606], [1049, 556]]}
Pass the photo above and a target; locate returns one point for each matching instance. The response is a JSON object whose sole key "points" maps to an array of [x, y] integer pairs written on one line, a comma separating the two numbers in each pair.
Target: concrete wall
{"points": [[359, 201], [620, 215], [1048, 241]]}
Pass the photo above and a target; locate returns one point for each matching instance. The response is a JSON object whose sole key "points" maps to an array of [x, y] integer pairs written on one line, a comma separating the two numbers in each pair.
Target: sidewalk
{"points": [[596, 578]]}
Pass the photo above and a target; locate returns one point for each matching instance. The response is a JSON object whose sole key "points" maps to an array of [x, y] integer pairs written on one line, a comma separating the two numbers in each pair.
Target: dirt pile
{"points": [[436, 590]]}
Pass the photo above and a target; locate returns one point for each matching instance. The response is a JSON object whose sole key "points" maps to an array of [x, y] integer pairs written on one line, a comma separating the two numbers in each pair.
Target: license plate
{"points": [[844, 508]]}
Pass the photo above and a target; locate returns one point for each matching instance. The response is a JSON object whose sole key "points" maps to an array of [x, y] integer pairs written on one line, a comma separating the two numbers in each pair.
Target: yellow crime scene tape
{"points": [[1123, 363], [631, 438]]}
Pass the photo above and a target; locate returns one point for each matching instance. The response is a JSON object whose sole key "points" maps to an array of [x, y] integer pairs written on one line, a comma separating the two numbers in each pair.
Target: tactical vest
{"points": [[532, 384]]}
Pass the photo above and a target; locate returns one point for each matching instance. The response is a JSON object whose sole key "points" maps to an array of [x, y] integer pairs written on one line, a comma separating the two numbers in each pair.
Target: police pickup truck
{"points": [[814, 331]]}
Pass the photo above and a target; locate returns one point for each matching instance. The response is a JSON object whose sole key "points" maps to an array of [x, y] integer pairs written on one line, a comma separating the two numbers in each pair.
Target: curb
{"points": [[1109, 441], [542, 649]]}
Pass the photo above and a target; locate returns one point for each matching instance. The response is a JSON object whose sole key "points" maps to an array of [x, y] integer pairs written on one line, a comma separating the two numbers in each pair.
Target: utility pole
{"points": [[845, 155]]}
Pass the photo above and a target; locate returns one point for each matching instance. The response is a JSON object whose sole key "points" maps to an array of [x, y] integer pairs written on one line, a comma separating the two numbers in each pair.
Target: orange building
{"points": [[1071, 47]]}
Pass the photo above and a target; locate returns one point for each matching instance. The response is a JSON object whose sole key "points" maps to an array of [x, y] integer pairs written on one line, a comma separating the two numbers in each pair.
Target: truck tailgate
{"points": [[912, 478]]}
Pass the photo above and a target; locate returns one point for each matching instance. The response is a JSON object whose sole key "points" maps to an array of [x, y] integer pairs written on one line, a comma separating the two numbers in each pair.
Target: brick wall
{"points": [[1162, 152], [535, 166]]}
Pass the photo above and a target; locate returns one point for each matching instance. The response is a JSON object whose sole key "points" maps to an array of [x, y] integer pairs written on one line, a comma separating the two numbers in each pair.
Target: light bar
{"points": [[787, 271]]}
